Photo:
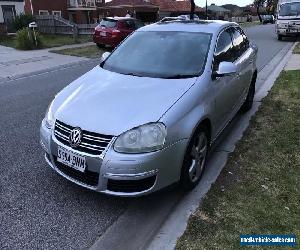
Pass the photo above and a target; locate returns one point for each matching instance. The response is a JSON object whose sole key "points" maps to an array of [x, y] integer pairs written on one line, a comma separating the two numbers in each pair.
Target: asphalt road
{"points": [[38, 208]]}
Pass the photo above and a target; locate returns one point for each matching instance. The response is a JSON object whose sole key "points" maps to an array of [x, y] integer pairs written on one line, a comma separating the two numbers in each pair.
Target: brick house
{"points": [[175, 8], [78, 11], [8, 11], [140, 9], [89, 11]]}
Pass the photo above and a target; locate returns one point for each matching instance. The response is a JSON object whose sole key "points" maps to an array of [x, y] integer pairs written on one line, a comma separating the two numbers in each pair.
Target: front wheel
{"points": [[279, 37], [194, 160], [100, 46], [247, 105]]}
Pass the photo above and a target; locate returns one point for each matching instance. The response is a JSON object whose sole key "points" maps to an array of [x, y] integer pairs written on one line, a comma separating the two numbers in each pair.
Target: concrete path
{"points": [[14, 63], [294, 63]]}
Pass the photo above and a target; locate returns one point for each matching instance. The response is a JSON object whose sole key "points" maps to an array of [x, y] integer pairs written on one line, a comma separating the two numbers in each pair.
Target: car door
{"points": [[242, 57], [224, 88]]}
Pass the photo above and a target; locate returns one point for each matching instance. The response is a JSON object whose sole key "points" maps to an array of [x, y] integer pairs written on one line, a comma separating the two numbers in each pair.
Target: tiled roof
{"points": [[216, 8], [129, 3], [164, 5], [174, 6]]}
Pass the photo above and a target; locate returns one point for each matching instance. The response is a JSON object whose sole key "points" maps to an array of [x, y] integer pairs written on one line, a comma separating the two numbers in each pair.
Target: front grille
{"points": [[91, 143], [86, 177], [131, 186]]}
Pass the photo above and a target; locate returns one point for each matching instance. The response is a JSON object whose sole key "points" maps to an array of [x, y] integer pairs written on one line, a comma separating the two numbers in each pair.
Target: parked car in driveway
{"points": [[113, 30], [146, 116]]}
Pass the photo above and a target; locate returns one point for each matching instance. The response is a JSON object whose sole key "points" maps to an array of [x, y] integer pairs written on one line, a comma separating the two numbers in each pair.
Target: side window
{"points": [[129, 24], [224, 50], [240, 42], [138, 24]]}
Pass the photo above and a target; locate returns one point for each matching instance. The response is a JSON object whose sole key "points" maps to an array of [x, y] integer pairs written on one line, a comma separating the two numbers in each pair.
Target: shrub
{"points": [[23, 20], [25, 40]]}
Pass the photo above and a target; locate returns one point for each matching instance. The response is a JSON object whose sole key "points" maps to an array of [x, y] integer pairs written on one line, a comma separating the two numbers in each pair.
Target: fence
{"points": [[51, 24], [243, 19]]}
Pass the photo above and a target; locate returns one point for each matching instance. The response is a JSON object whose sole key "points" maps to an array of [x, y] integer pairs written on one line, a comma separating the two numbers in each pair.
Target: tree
{"points": [[258, 4], [272, 6]]}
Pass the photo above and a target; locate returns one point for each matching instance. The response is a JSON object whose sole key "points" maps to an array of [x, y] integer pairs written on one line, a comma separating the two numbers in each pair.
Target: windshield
{"points": [[108, 23], [290, 9], [161, 54]]}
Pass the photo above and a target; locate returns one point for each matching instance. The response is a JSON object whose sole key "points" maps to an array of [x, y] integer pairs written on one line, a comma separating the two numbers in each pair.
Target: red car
{"points": [[113, 30]]}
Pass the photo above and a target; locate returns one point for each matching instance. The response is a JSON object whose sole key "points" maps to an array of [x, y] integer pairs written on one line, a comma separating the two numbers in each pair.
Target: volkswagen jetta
{"points": [[147, 115]]}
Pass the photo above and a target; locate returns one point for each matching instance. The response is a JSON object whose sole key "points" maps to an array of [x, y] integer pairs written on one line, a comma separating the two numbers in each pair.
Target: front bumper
{"points": [[119, 174], [288, 31]]}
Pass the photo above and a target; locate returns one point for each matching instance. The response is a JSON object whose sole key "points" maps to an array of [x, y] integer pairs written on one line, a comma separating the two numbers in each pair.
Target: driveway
{"points": [[40, 209], [15, 62]]}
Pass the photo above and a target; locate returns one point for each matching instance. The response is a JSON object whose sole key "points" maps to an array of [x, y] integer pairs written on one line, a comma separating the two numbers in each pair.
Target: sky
{"points": [[241, 3]]}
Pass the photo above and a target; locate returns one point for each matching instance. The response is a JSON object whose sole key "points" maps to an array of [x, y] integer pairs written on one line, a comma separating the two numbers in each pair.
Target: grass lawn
{"points": [[49, 41], [297, 48], [89, 51], [258, 191], [250, 24]]}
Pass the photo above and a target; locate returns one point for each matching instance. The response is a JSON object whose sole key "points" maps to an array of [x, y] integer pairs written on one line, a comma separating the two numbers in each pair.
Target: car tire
{"points": [[195, 159], [101, 46], [247, 105], [279, 37]]}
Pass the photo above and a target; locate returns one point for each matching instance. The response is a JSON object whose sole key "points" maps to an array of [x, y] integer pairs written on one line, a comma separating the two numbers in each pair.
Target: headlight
{"points": [[282, 25], [49, 118], [143, 139]]}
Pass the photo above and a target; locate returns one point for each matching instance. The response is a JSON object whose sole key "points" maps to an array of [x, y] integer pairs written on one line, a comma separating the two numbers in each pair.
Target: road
{"points": [[40, 209]]}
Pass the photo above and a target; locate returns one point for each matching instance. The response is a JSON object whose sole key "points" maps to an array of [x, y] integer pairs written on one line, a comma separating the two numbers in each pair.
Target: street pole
{"points": [[31, 7], [206, 11]]}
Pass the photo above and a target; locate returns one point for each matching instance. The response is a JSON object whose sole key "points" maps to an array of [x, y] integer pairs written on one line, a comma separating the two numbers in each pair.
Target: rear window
{"points": [[108, 23]]}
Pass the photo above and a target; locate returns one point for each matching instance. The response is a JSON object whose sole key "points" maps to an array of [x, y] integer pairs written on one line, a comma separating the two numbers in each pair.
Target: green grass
{"points": [[250, 24], [297, 48], [258, 191], [88, 51], [49, 41]]}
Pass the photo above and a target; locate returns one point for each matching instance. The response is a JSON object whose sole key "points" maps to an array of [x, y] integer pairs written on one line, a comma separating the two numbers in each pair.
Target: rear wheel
{"points": [[247, 105], [195, 159], [101, 46]]}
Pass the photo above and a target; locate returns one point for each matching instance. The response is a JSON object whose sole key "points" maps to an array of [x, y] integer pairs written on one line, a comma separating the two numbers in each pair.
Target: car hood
{"points": [[110, 103]]}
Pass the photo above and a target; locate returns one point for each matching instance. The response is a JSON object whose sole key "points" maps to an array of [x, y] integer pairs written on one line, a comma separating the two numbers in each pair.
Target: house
{"points": [[218, 13], [148, 10], [8, 11], [78, 11], [144, 10], [90, 11], [175, 8]]}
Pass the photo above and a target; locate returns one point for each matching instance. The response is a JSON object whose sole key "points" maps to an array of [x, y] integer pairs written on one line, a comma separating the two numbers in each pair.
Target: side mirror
{"points": [[104, 56], [226, 69]]}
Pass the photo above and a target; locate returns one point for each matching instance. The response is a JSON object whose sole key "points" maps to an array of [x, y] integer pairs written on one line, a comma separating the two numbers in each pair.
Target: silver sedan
{"points": [[146, 116]]}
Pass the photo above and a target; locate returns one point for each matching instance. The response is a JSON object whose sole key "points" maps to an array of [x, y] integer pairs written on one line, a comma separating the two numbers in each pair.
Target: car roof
{"points": [[205, 26], [116, 18]]}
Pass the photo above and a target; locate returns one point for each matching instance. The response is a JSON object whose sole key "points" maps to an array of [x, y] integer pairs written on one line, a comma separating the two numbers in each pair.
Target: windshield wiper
{"points": [[131, 74], [180, 76]]}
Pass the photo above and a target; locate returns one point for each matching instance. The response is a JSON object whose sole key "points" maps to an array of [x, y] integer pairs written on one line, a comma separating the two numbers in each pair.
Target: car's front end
{"points": [[288, 27], [288, 23], [106, 170]]}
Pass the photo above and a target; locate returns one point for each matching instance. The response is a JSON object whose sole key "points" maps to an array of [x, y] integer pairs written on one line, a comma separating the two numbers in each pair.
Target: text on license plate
{"points": [[71, 159], [102, 33]]}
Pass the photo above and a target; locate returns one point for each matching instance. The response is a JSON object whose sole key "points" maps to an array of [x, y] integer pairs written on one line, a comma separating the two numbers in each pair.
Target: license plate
{"points": [[102, 33], [71, 159]]}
